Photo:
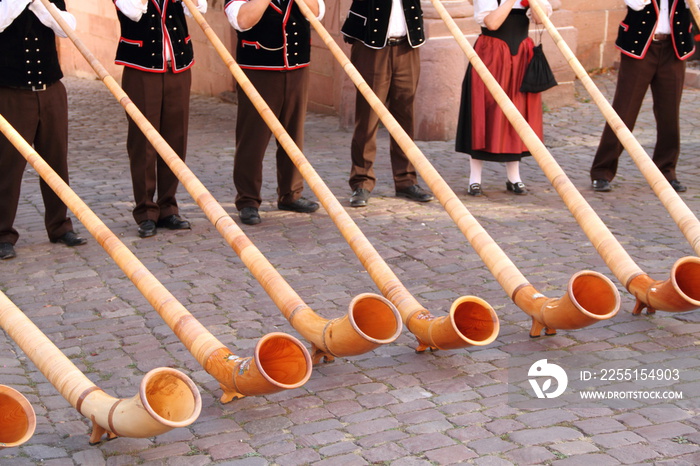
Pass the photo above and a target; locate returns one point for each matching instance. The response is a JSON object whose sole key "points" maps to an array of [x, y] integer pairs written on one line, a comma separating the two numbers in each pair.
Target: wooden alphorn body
{"points": [[280, 362], [471, 321], [371, 321], [681, 292], [167, 398], [17, 418], [591, 297]]}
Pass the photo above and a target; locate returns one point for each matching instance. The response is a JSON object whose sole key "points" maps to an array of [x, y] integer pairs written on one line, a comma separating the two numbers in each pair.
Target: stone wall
{"points": [[589, 28]]}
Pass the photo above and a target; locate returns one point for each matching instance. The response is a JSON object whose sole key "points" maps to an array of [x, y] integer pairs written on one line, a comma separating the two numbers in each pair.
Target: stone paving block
{"points": [[661, 431], [546, 435], [640, 454], [583, 460]]}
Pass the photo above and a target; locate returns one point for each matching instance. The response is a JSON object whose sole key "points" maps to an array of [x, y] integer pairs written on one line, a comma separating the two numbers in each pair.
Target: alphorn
{"points": [[694, 10], [681, 292], [679, 210], [590, 298], [471, 320], [167, 398], [280, 361], [371, 320], [17, 418]]}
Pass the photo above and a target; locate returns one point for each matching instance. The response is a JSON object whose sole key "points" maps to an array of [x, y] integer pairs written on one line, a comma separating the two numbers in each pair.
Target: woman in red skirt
{"points": [[483, 130]]}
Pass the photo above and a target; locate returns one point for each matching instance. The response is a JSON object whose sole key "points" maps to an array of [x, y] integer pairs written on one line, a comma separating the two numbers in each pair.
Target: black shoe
{"points": [[301, 205], [359, 197], [147, 228], [474, 189], [675, 184], [415, 193], [173, 222], [517, 188], [70, 239], [601, 186], [7, 251], [249, 215]]}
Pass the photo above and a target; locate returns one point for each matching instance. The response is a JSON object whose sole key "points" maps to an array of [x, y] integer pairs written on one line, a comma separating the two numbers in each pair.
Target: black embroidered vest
{"points": [[142, 44], [368, 22], [29, 57], [635, 31], [281, 40]]}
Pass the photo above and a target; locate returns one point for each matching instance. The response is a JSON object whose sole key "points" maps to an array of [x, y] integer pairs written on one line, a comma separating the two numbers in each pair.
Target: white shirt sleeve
{"points": [[132, 9], [637, 5], [201, 7], [9, 11], [232, 14], [47, 20]]}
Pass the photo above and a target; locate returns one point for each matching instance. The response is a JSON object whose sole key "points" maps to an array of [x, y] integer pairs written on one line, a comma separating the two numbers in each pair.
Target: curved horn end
{"points": [[170, 397], [471, 322], [281, 362], [372, 320], [17, 418], [679, 293], [590, 298]]}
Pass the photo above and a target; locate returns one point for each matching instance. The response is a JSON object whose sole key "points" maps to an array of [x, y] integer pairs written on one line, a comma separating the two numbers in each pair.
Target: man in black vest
{"points": [[156, 51], [385, 36], [273, 49], [654, 39], [33, 100]]}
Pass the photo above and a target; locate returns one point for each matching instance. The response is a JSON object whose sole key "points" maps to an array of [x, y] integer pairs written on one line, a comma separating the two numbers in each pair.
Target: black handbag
{"points": [[538, 75]]}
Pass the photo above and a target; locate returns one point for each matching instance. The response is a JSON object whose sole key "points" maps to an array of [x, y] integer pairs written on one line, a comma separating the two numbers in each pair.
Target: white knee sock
{"points": [[513, 171], [475, 168]]}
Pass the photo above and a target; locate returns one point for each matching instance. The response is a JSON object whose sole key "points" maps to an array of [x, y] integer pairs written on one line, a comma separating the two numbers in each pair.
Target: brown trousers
{"points": [[41, 118], [664, 73], [285, 92], [392, 72], [164, 99]]}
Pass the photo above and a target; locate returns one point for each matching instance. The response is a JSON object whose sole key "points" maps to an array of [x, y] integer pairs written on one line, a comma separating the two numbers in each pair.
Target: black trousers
{"points": [[164, 99], [41, 118]]}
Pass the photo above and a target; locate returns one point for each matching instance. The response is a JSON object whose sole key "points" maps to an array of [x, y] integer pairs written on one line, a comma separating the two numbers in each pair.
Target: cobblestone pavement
{"points": [[391, 405]]}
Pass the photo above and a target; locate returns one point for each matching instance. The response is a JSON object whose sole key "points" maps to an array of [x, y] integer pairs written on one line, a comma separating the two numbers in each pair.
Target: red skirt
{"points": [[484, 132]]}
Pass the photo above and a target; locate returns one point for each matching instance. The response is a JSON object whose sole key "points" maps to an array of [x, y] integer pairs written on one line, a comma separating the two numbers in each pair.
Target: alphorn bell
{"points": [[280, 362], [591, 297], [17, 418], [681, 292], [371, 321], [471, 321], [694, 10], [680, 212], [167, 398]]}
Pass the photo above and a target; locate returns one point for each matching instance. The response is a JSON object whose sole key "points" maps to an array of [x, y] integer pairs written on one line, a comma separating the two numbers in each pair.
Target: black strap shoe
{"points": [[173, 222], [415, 193], [301, 205], [147, 228], [516, 188], [70, 239], [7, 251], [359, 197], [475, 189]]}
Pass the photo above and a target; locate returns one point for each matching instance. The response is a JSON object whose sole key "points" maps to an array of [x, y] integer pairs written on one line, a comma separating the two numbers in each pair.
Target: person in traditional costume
{"points": [[483, 130], [34, 101], [655, 40], [156, 51], [274, 50]]}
